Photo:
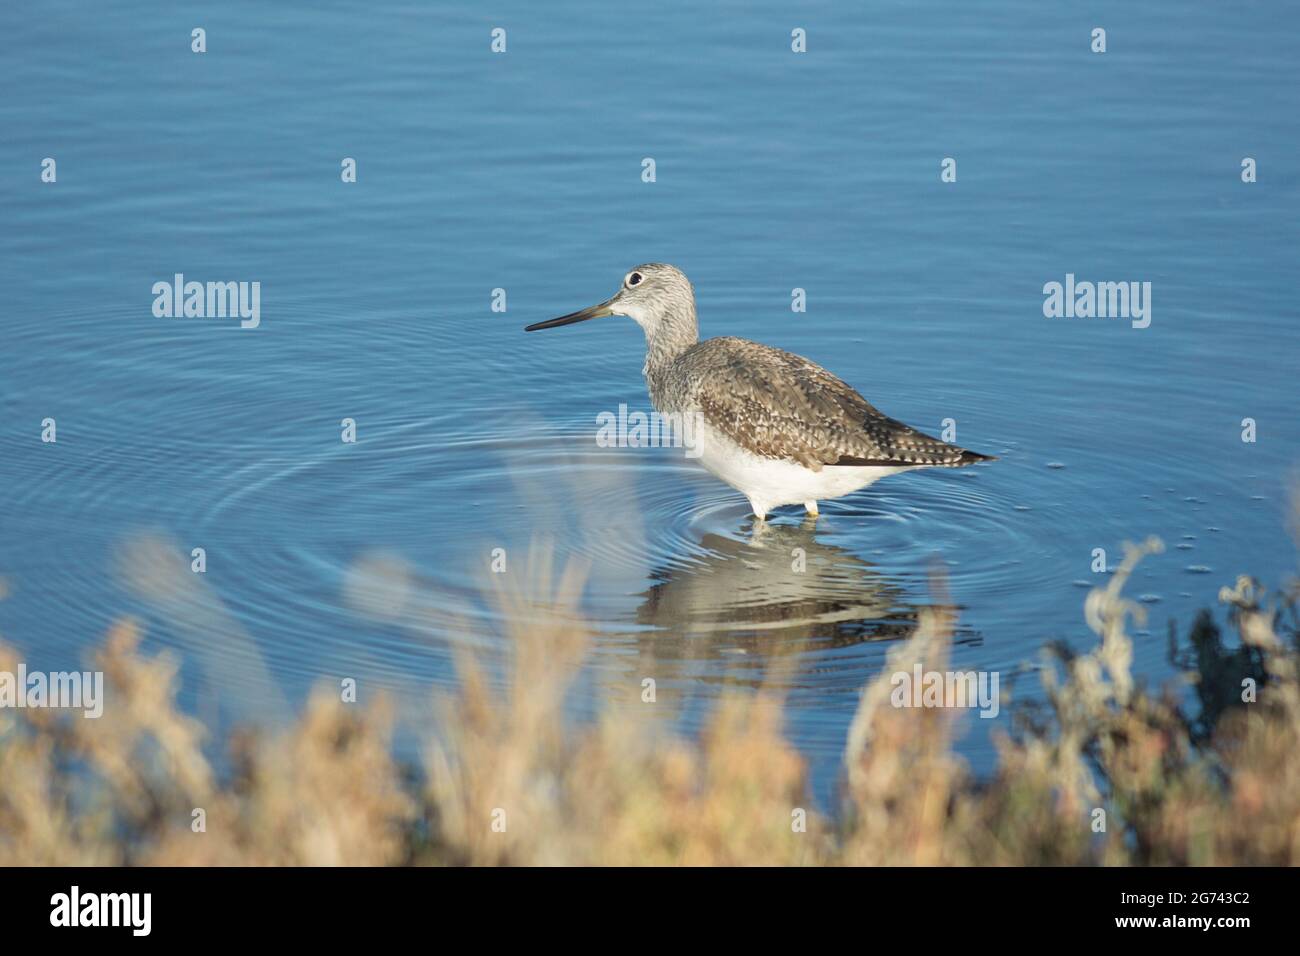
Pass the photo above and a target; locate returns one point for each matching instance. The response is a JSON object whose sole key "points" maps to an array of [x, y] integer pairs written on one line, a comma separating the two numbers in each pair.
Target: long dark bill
{"points": [[595, 312]]}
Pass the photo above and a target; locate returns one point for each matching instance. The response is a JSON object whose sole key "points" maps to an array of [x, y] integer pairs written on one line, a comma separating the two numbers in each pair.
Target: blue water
{"points": [[522, 171]]}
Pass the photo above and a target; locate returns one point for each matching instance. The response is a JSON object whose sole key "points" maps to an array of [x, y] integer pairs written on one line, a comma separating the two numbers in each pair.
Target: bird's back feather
{"points": [[780, 405]]}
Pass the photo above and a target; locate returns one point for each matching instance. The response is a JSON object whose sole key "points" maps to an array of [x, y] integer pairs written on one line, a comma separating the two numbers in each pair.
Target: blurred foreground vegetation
{"points": [[1202, 778]]}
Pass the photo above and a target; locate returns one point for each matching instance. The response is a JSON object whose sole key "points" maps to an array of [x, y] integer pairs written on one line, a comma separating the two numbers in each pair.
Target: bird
{"points": [[776, 426]]}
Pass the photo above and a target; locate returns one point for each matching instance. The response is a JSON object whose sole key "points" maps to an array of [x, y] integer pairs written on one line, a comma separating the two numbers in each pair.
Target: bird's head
{"points": [[653, 295]]}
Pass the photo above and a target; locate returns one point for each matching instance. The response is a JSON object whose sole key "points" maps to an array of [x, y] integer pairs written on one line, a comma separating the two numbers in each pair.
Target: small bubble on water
{"points": [[1149, 598], [1079, 583], [1198, 569], [1184, 546], [1056, 464], [1021, 508]]}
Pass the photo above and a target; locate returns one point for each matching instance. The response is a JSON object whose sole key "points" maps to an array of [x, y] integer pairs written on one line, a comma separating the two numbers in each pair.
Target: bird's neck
{"points": [[676, 332]]}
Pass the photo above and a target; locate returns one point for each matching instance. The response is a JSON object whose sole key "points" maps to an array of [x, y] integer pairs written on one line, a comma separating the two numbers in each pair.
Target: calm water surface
{"points": [[522, 172]]}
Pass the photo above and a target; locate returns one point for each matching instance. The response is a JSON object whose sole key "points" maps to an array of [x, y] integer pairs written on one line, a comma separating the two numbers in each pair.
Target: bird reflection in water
{"points": [[782, 604]]}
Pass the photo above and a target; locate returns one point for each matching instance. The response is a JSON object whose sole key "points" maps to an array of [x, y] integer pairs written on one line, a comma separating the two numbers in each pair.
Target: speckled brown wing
{"points": [[780, 405]]}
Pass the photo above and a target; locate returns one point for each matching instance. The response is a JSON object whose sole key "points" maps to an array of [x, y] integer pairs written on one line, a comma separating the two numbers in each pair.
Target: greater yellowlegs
{"points": [[778, 428]]}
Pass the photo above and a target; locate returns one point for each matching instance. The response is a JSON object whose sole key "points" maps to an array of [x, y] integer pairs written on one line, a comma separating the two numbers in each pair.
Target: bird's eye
{"points": [[634, 278]]}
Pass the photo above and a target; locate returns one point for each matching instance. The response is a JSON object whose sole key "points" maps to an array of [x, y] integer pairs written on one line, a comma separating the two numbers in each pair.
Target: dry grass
{"points": [[1217, 785]]}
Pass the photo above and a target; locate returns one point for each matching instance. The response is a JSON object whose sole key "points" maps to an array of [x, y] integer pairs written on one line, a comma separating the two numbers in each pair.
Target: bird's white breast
{"points": [[770, 482]]}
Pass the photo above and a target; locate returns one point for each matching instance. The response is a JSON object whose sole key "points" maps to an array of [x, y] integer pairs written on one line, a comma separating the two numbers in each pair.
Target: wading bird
{"points": [[775, 426]]}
